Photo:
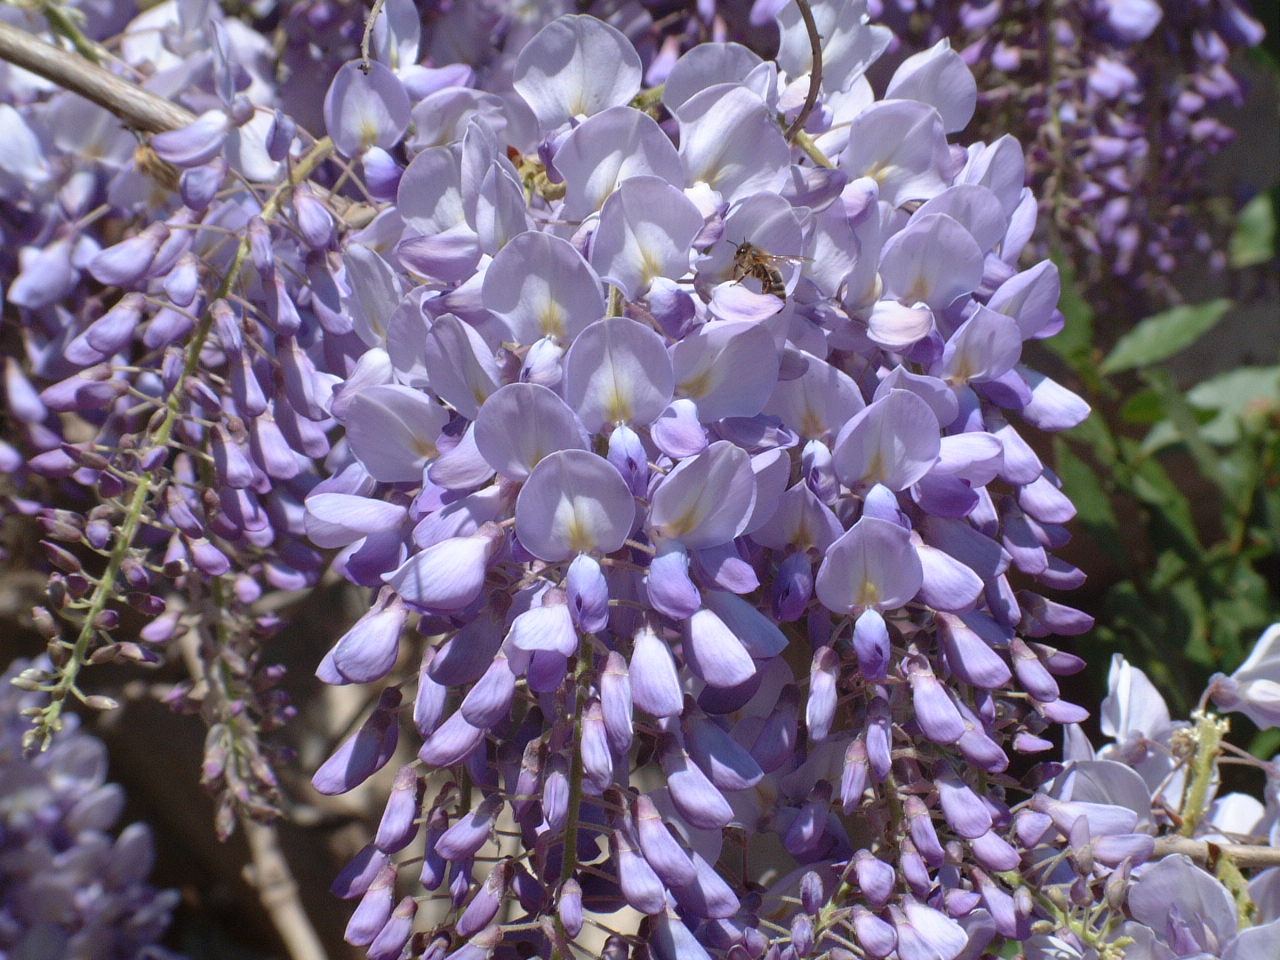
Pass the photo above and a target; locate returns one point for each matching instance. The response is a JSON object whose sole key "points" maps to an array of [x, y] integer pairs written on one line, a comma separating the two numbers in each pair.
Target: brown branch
{"points": [[1243, 855], [269, 874], [138, 108], [815, 73]]}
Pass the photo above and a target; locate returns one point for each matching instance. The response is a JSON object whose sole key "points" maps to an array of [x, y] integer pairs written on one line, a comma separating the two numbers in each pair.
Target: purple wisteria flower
{"points": [[697, 455], [1120, 103], [69, 886]]}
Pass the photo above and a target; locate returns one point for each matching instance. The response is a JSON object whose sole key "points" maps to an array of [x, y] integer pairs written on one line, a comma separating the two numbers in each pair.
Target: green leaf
{"points": [[1232, 398], [1143, 408], [1183, 417], [1161, 336], [1254, 239]]}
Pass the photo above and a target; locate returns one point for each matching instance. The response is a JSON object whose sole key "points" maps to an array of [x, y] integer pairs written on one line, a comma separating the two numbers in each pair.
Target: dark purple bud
{"points": [[197, 143], [695, 797], [806, 838], [775, 744], [280, 137], [484, 905], [820, 711], [874, 935], [597, 759], [588, 594], [668, 859], [374, 909], [793, 587], [202, 394], [615, 703], [639, 881], [935, 712], [569, 907], [314, 220], [812, 894], [199, 185], [392, 938], [128, 261], [802, 934], [923, 834], [434, 866], [462, 840], [399, 823], [364, 753], [108, 334]]}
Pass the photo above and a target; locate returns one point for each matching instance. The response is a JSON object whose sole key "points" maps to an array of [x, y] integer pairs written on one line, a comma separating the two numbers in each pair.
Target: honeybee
{"points": [[751, 261]]}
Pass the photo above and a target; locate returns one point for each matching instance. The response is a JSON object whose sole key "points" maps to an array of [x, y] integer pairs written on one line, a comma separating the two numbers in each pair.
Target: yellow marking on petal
{"points": [[699, 386], [551, 321], [963, 371], [425, 448], [649, 266], [811, 424], [619, 403], [578, 532], [875, 469], [868, 594]]}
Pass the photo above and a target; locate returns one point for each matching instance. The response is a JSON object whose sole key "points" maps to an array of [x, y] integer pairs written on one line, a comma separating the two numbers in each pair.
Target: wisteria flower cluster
{"points": [[694, 452], [668, 404], [68, 887], [1119, 102]]}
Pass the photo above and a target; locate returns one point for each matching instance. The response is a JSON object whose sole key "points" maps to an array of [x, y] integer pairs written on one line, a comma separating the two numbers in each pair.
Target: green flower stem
{"points": [[49, 720], [569, 861], [1208, 732], [62, 23]]}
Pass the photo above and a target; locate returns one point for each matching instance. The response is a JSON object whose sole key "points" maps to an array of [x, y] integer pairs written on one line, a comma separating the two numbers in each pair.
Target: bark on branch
{"points": [[136, 107], [1243, 855]]}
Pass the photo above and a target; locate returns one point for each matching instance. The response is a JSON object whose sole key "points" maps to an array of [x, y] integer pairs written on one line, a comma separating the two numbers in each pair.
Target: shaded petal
{"points": [[573, 502], [706, 500], [872, 564], [617, 371], [522, 423], [539, 286], [576, 66]]}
